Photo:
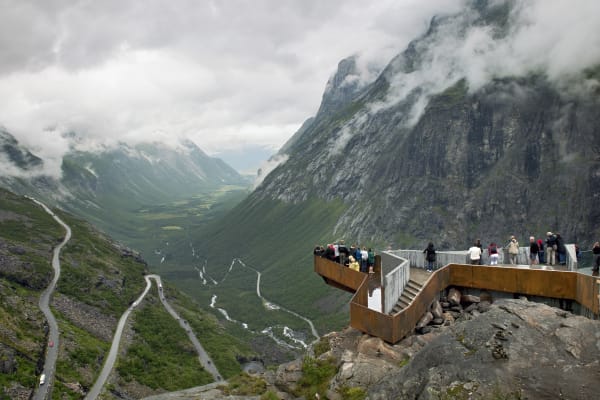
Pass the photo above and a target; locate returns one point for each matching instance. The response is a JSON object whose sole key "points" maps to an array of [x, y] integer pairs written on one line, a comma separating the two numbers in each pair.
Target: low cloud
{"points": [[268, 166], [222, 74], [554, 37]]}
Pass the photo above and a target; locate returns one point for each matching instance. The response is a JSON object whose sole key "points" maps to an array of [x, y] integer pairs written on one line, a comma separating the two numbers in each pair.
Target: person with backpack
{"points": [[344, 253], [478, 244], [493, 253], [357, 254], [596, 253], [541, 253], [533, 251], [551, 248], [371, 262], [430, 257], [364, 260], [561, 249], [513, 250]]}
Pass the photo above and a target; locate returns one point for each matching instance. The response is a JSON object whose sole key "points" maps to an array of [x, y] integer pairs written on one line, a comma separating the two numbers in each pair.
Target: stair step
{"points": [[414, 285]]}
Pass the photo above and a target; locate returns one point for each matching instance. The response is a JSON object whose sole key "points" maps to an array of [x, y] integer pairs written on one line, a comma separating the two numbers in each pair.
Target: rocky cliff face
{"points": [[417, 157], [512, 349]]}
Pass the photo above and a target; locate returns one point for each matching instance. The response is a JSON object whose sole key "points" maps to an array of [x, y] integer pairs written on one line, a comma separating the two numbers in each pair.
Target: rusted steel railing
{"points": [[392, 328]]}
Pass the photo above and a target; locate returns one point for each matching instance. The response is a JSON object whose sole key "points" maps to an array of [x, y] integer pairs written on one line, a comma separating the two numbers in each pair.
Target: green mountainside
{"points": [[385, 163], [99, 280]]}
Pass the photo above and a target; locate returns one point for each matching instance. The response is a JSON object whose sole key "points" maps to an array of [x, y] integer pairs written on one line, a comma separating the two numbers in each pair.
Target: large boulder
{"points": [[454, 297]]}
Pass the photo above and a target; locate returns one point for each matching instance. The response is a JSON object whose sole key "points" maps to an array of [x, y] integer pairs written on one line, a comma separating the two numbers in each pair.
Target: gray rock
{"points": [[436, 309], [425, 320], [454, 297], [530, 362], [470, 308], [469, 298], [483, 306]]}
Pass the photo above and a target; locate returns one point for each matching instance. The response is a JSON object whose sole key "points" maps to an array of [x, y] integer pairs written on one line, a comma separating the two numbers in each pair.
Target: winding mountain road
{"points": [[45, 391], [109, 363], [270, 303]]}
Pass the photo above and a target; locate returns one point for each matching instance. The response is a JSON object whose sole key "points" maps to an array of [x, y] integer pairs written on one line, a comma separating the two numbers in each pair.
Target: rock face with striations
{"points": [[453, 158]]}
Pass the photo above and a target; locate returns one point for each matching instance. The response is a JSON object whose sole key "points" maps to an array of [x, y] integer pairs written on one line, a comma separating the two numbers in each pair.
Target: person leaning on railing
{"points": [[354, 264], [596, 253]]}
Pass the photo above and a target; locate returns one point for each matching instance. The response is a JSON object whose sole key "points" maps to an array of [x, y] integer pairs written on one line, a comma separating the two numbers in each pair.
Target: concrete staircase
{"points": [[408, 294]]}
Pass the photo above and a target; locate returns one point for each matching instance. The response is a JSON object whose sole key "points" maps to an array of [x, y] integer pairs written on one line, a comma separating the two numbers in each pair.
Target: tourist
{"points": [[357, 253], [364, 260], [513, 250], [550, 248], [343, 250], [478, 244], [319, 250], [561, 250], [430, 257], [596, 253], [336, 250], [493, 253], [533, 251], [330, 252], [353, 264], [371, 261], [541, 254], [475, 254]]}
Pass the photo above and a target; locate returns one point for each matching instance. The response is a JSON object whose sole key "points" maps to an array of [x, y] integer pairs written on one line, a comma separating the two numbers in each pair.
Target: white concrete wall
{"points": [[396, 274]]}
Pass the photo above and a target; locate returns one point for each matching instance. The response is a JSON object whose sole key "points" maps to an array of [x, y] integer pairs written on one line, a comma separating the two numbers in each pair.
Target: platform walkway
{"points": [[539, 280]]}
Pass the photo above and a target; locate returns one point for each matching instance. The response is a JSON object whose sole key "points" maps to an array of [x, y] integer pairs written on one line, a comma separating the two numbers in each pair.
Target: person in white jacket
{"points": [[475, 254]]}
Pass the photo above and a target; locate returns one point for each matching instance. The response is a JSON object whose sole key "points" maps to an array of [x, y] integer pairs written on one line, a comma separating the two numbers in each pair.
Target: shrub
{"points": [[316, 375]]}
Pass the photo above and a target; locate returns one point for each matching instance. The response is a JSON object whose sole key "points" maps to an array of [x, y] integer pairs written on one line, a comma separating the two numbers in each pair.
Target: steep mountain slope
{"points": [[424, 152], [129, 192], [12, 154], [99, 280]]}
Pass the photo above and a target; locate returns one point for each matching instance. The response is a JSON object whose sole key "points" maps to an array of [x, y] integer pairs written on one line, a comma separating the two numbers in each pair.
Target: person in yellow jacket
{"points": [[353, 264]]}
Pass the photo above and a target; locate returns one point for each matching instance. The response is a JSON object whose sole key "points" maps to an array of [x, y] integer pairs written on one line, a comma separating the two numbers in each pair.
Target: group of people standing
{"points": [[353, 257], [551, 251]]}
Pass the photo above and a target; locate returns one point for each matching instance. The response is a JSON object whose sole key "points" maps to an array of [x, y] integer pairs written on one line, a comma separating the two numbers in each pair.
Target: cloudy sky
{"points": [[239, 77], [231, 75]]}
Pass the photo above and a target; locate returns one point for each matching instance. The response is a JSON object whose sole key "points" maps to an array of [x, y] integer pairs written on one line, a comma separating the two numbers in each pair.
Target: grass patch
{"points": [[161, 355], [316, 375], [244, 385], [223, 347], [352, 393], [321, 347], [81, 354]]}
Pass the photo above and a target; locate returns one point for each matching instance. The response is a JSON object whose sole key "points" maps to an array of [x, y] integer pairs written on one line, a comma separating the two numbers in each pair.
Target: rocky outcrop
{"points": [[517, 349], [85, 317], [511, 349], [16, 268]]}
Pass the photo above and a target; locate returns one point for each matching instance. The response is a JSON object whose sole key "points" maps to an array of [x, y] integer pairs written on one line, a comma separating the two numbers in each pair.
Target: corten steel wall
{"points": [[553, 284], [344, 277]]}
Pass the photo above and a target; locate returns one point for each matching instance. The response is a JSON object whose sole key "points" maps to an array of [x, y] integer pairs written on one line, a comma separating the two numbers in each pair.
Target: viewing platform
{"points": [[405, 291]]}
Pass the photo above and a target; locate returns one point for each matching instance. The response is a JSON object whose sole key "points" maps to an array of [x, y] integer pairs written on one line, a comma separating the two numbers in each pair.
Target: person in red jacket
{"points": [[493, 253]]}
